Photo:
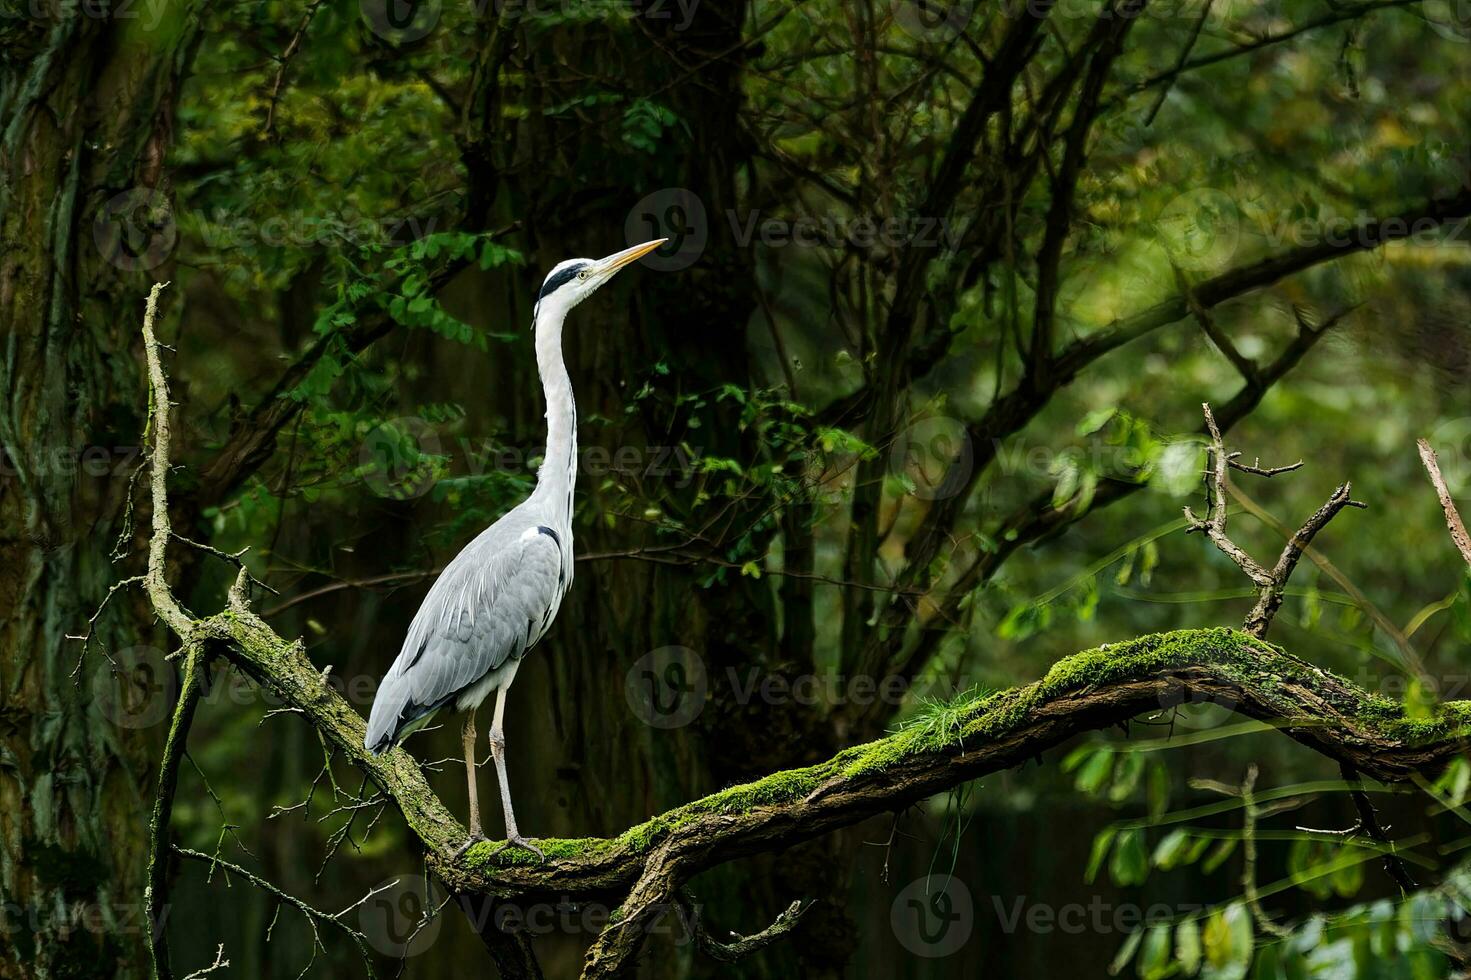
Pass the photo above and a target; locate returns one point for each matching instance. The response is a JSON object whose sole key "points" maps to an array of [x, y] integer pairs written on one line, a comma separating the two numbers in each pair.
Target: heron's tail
{"points": [[383, 726], [394, 719]]}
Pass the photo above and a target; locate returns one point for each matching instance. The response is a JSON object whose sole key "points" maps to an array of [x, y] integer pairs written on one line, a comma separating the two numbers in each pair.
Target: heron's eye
{"points": [[582, 275]]}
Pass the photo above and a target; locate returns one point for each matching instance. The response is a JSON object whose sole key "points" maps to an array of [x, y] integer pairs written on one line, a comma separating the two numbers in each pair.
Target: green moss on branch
{"points": [[1268, 681]]}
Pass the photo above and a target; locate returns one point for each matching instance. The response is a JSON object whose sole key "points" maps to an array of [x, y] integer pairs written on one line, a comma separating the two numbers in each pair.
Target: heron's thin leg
{"points": [[498, 752], [469, 737]]}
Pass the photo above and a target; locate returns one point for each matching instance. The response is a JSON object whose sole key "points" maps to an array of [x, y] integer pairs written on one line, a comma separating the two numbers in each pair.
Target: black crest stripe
{"points": [[558, 279]]}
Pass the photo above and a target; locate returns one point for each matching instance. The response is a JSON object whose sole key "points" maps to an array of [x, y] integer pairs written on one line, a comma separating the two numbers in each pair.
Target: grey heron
{"points": [[498, 596]]}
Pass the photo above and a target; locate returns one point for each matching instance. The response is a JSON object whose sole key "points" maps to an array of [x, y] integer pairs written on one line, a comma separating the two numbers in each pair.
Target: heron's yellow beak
{"points": [[611, 264]]}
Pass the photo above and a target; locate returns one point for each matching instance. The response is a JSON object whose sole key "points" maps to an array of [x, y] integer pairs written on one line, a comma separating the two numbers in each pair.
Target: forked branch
{"points": [[1271, 583]]}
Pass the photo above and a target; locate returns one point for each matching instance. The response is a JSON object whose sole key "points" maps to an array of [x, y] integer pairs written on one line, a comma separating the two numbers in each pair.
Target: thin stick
{"points": [[1452, 516], [1271, 584]]}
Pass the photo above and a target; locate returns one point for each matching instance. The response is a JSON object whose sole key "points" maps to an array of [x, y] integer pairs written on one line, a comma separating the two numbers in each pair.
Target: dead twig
{"points": [[313, 914], [1271, 583], [739, 947], [1452, 515], [1369, 821]]}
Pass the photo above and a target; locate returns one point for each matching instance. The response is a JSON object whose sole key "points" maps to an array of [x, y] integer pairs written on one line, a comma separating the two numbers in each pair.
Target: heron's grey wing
{"points": [[489, 606]]}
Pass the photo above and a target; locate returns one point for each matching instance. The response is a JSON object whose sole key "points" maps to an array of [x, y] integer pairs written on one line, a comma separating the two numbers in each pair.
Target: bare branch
{"points": [[313, 914], [1242, 363], [1257, 469], [1452, 515], [164, 603], [1271, 585], [219, 964], [742, 946], [1250, 812], [1261, 615], [1106, 41], [1169, 80], [1213, 525], [1369, 820], [86, 638], [283, 61], [1337, 14]]}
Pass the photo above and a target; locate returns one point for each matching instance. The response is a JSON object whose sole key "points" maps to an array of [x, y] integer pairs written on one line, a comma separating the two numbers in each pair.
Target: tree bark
{"points": [[85, 113]]}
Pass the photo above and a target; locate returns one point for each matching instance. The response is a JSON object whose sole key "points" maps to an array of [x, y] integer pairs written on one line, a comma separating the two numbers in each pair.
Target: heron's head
{"points": [[573, 281]]}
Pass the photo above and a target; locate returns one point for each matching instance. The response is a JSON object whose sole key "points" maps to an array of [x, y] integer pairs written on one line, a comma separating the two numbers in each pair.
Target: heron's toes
{"points": [[471, 842], [516, 840]]}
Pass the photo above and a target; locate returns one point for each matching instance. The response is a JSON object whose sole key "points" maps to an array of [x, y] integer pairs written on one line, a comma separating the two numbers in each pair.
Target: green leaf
{"points": [[1095, 420], [1227, 941], [1126, 777], [1158, 791], [1067, 485], [1171, 850], [1154, 959], [1099, 851], [1024, 620], [1126, 953], [1077, 756], [1187, 946], [1218, 855], [1129, 864], [1305, 866], [1347, 879], [1095, 771]]}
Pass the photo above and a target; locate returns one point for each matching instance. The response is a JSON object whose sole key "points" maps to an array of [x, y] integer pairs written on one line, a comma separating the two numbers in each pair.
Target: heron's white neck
{"points": [[558, 471]]}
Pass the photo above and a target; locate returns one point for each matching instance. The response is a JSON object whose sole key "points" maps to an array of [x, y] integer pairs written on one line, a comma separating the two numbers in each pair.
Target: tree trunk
{"points": [[85, 107]]}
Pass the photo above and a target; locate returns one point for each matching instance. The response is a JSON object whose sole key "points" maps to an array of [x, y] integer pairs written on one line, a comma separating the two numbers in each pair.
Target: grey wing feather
{"points": [[491, 604]]}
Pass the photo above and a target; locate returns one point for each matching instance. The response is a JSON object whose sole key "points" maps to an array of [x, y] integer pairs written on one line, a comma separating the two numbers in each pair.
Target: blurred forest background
{"points": [[913, 396]]}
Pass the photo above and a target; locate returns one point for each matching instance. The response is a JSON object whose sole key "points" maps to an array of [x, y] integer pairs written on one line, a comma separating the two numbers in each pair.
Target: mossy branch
{"points": [[648, 864], [1092, 690]]}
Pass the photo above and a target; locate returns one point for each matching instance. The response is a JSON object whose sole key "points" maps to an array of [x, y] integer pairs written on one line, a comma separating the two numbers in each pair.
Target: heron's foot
{"points": [[516, 840], [471, 842]]}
